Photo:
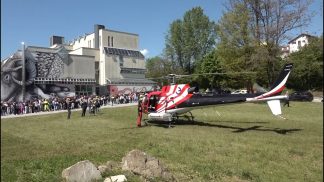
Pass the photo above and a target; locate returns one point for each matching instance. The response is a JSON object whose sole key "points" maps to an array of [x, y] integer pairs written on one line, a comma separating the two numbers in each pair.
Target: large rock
{"points": [[140, 163], [83, 171]]}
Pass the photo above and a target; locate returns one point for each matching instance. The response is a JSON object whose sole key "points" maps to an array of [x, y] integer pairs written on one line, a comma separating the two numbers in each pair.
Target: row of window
{"points": [[299, 42], [124, 52], [110, 42], [84, 90]]}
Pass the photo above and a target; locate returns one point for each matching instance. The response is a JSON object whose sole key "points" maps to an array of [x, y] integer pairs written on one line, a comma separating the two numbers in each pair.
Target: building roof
{"points": [[130, 81], [301, 35], [123, 52]]}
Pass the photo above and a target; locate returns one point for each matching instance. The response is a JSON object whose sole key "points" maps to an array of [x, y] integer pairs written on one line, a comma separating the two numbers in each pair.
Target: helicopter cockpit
{"points": [[150, 102]]}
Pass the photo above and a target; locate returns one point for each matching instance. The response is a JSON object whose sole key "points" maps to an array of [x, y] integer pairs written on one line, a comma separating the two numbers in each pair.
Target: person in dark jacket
{"points": [[84, 106], [68, 107], [286, 101], [140, 112]]}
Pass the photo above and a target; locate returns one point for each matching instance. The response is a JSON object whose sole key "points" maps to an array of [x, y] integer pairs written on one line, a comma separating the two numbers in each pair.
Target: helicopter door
{"points": [[152, 103]]}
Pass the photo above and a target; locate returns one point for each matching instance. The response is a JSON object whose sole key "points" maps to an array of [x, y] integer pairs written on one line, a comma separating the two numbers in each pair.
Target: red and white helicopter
{"points": [[175, 100]]}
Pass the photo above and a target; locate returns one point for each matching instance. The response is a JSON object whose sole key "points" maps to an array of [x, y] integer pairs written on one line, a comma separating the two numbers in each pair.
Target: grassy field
{"points": [[227, 143]]}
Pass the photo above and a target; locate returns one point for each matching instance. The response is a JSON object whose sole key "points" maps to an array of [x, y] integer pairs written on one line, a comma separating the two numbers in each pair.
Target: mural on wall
{"points": [[118, 90], [38, 65]]}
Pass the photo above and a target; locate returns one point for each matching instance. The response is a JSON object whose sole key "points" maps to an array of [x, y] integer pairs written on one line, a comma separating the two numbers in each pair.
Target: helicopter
{"points": [[174, 100]]}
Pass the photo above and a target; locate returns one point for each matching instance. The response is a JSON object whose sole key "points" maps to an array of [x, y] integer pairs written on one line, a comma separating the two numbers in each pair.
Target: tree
{"points": [[308, 66], [236, 45], [174, 50], [157, 68], [211, 64], [188, 40], [251, 32]]}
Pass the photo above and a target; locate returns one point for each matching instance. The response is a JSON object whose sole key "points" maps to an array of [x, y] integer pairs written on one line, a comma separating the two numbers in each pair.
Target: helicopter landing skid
{"points": [[189, 118]]}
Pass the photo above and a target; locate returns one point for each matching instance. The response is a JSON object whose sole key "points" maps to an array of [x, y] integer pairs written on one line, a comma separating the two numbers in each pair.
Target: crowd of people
{"points": [[92, 103]]}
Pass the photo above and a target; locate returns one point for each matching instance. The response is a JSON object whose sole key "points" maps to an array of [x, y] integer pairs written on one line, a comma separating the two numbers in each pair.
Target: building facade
{"points": [[295, 44], [103, 62]]}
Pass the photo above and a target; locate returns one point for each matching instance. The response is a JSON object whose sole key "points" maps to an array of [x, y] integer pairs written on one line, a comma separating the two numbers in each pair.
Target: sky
{"points": [[35, 21]]}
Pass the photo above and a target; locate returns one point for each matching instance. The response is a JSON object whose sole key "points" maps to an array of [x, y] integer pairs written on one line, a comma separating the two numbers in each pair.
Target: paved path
{"points": [[73, 110]]}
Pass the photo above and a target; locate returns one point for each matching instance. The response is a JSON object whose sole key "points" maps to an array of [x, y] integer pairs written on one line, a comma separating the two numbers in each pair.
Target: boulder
{"points": [[83, 171], [140, 163]]}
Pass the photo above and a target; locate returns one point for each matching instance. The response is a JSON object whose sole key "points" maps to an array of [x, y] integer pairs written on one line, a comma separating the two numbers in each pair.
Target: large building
{"points": [[103, 62]]}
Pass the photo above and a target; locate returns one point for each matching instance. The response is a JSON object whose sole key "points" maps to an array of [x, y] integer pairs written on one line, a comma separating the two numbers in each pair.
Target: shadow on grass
{"points": [[235, 128]]}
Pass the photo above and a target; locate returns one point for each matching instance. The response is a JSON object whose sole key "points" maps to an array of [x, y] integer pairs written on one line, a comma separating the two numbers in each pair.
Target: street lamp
{"points": [[23, 77]]}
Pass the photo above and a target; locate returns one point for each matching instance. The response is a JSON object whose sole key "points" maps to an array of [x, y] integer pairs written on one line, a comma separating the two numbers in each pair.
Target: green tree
{"points": [[308, 66], [158, 68], [236, 45], [251, 31], [188, 40], [210, 64]]}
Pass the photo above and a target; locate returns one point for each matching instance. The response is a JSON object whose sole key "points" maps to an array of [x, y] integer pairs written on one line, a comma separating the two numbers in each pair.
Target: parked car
{"points": [[301, 96], [239, 92]]}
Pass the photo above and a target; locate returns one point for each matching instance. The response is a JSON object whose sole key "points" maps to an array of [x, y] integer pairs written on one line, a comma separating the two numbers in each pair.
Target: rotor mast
{"points": [[172, 78]]}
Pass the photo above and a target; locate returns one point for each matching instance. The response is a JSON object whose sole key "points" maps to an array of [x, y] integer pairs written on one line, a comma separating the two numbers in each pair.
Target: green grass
{"points": [[241, 142]]}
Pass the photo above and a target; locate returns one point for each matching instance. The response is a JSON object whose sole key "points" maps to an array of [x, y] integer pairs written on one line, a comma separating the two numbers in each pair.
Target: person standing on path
{"points": [[286, 102], [84, 106], [68, 107], [140, 113]]}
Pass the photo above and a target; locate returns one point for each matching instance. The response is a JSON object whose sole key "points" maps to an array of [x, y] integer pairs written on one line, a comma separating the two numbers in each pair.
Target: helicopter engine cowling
{"points": [[160, 116]]}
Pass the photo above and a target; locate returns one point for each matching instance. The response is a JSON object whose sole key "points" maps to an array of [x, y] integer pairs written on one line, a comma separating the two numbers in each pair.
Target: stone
{"points": [[107, 180], [118, 178], [134, 161], [142, 164], [83, 171]]}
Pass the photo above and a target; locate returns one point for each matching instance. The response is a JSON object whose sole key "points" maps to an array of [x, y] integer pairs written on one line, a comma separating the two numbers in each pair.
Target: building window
{"points": [[84, 90], [121, 61], [299, 44], [89, 43], [112, 41], [108, 41]]}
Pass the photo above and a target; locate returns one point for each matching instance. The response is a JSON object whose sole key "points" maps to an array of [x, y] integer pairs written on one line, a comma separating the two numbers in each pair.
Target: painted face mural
{"points": [[11, 76], [37, 65]]}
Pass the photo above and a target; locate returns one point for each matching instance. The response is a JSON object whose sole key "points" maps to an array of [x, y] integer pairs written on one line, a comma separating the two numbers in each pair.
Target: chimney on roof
{"points": [[56, 40], [96, 32]]}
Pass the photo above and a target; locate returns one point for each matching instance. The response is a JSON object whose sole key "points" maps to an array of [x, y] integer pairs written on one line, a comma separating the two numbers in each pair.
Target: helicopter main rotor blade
{"points": [[228, 73]]}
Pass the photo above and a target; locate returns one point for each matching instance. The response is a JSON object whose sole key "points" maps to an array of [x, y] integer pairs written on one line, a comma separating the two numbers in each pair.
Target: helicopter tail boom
{"points": [[279, 84], [272, 97]]}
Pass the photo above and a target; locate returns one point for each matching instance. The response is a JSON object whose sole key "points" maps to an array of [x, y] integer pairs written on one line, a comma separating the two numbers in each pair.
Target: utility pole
{"points": [[23, 76]]}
